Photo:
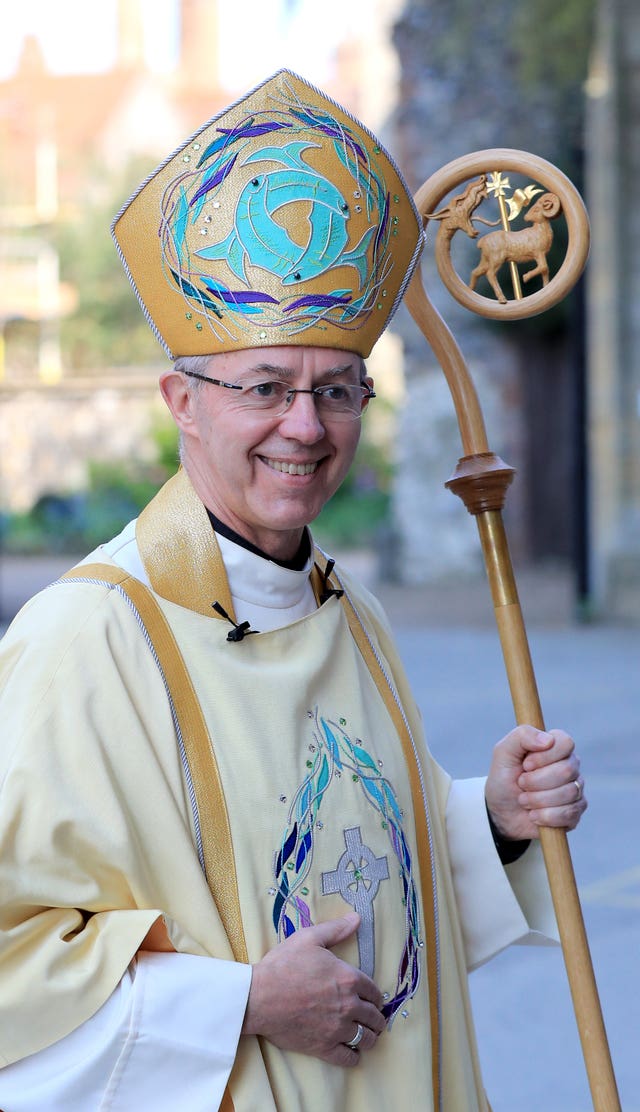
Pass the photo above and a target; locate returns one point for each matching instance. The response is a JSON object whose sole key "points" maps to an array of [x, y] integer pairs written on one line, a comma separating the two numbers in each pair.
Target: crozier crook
{"points": [[481, 479]]}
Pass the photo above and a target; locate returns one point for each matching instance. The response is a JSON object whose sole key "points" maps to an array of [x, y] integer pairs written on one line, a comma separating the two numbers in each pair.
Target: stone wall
{"points": [[48, 435], [457, 97]]}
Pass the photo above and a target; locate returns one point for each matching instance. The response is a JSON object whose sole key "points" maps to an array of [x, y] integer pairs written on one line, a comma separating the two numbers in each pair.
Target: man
{"points": [[233, 875]]}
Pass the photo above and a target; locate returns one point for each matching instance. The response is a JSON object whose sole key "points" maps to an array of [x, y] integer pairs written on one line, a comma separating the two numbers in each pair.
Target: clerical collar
{"points": [[296, 563]]}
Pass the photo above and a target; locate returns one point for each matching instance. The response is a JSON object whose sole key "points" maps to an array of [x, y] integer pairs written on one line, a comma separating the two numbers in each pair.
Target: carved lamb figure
{"points": [[529, 244]]}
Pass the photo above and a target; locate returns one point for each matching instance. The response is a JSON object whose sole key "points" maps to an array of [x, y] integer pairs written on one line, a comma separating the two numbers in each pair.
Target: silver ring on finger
{"points": [[578, 789], [354, 1043]]}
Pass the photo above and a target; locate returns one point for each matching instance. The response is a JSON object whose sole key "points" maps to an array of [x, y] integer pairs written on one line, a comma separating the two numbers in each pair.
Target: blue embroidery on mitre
{"points": [[272, 192], [334, 755]]}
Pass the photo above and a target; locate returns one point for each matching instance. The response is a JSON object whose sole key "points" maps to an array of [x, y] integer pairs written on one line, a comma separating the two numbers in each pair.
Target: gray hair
{"points": [[196, 364], [192, 364]]}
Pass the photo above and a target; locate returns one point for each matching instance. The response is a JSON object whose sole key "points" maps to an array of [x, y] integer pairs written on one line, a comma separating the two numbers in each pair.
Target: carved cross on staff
{"points": [[481, 479]]}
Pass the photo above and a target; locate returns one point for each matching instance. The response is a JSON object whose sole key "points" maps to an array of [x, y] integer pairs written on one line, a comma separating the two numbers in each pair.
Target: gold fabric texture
{"points": [[282, 221]]}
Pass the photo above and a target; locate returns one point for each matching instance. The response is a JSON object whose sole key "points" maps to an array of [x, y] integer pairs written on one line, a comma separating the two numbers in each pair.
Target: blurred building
{"points": [[460, 93], [64, 139], [62, 136], [568, 422], [561, 394], [613, 150]]}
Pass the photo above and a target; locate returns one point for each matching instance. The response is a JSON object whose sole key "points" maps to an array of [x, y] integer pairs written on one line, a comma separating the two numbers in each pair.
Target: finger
{"points": [[566, 795], [550, 776], [566, 817], [341, 1055], [331, 932], [519, 742], [369, 993], [368, 1038], [550, 793], [370, 1016], [542, 753]]}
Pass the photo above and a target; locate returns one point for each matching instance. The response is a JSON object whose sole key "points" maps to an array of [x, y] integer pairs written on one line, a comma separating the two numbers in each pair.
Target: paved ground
{"points": [[589, 680], [590, 684]]}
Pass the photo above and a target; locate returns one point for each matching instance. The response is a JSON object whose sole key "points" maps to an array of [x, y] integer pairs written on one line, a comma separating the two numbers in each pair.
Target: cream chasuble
{"points": [[327, 808]]}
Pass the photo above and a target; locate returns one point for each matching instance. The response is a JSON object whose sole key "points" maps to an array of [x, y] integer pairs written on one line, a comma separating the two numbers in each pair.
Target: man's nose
{"points": [[300, 420]]}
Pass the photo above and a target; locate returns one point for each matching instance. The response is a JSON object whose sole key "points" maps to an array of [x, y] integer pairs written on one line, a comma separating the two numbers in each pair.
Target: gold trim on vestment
{"points": [[423, 839], [217, 847], [179, 549], [212, 809]]}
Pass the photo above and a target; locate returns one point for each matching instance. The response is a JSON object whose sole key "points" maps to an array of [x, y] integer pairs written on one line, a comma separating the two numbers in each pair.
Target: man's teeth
{"points": [[291, 468]]}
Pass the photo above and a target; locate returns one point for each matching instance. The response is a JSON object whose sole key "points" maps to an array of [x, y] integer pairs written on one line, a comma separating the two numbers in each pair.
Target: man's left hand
{"points": [[534, 781]]}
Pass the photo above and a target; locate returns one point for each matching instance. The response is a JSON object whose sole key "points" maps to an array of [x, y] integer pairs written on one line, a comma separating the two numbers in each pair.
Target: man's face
{"points": [[264, 476]]}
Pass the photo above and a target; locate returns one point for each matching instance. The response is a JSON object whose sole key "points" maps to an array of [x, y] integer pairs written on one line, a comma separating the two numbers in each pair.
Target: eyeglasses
{"points": [[334, 402]]}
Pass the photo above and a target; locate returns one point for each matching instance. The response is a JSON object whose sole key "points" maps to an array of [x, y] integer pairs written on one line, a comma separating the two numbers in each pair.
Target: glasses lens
{"points": [[338, 402], [334, 402], [271, 397]]}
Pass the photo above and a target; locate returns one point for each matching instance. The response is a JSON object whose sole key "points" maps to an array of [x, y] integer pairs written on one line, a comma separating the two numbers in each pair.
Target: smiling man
{"points": [[232, 874], [271, 442]]}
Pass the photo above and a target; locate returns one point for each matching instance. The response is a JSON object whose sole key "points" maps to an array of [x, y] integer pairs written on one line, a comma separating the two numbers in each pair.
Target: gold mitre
{"points": [[282, 221]]}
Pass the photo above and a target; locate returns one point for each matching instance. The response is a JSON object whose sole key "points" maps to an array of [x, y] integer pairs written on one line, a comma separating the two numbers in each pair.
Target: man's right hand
{"points": [[304, 998]]}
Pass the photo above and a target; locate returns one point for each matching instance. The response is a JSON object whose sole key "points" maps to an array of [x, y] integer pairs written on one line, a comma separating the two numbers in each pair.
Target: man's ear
{"points": [[179, 399]]}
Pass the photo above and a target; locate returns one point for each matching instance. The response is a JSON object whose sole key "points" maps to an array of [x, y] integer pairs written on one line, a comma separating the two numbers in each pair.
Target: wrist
{"points": [[508, 849], [250, 1022]]}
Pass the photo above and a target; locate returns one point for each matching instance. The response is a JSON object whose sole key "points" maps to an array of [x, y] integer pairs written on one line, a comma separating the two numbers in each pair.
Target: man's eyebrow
{"points": [[290, 372]]}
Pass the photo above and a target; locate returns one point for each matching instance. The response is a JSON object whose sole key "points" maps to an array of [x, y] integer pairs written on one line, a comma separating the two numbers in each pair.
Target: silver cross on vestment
{"points": [[357, 879]]}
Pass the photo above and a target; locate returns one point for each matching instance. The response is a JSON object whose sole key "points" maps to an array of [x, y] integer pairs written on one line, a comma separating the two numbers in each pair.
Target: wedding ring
{"points": [[357, 1038], [579, 788]]}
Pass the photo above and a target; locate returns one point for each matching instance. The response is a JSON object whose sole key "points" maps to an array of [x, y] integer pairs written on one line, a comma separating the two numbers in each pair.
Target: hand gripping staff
{"points": [[481, 478]]}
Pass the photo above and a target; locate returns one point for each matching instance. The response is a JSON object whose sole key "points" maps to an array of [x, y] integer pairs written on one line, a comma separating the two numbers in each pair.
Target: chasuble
{"points": [[315, 794]]}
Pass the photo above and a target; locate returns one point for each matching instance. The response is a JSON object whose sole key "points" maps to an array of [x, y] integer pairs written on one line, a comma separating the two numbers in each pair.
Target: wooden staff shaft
{"points": [[555, 846], [481, 480]]}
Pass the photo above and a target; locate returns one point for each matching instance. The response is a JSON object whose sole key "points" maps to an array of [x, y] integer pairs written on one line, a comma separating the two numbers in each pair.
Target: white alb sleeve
{"points": [[498, 905], [165, 1039]]}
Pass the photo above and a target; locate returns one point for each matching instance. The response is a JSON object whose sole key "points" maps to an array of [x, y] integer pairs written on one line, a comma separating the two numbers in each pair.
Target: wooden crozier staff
{"points": [[481, 478]]}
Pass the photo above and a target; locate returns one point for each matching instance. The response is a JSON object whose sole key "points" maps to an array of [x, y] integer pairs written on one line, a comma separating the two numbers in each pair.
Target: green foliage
{"points": [[553, 42], [117, 492], [352, 519], [78, 522], [522, 65], [361, 506], [165, 438], [107, 327], [546, 42]]}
